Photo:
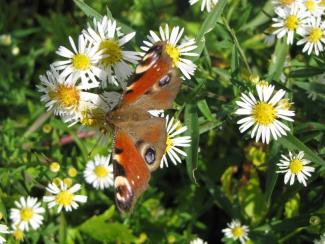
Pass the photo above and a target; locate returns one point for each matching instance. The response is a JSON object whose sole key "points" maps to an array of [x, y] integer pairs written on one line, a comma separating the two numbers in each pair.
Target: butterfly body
{"points": [[139, 137]]}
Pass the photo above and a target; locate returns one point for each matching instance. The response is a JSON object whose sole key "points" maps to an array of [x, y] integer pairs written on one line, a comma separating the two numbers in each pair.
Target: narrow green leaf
{"points": [[90, 12], [293, 143], [205, 110], [307, 72], [278, 60], [209, 24], [261, 18], [192, 123], [271, 175]]}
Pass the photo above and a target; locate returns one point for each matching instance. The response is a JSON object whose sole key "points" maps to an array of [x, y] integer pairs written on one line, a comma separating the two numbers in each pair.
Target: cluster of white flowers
{"points": [[264, 115], [302, 17], [76, 88]]}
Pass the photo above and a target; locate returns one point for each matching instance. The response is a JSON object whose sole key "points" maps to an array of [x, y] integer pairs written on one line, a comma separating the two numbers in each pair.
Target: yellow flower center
{"points": [[315, 34], [72, 172], [67, 181], [26, 214], [92, 117], [291, 22], [310, 5], [173, 53], [284, 104], [264, 113], [263, 83], [101, 171], [64, 198], [55, 167], [112, 49], [67, 96], [286, 2], [296, 166], [81, 62], [237, 231], [322, 3], [18, 235], [169, 143]]}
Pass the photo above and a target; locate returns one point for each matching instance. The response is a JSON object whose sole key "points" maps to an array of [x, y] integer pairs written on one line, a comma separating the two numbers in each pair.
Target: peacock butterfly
{"points": [[140, 138]]}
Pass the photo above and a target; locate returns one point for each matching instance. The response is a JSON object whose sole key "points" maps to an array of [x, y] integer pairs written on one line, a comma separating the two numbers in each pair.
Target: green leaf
{"points": [[90, 12], [291, 207], [306, 72], [205, 110], [278, 60], [100, 229], [192, 123], [252, 199], [208, 25], [293, 143], [271, 175]]}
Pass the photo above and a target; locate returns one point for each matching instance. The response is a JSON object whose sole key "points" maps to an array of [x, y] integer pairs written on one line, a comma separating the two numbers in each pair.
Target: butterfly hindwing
{"points": [[130, 171]]}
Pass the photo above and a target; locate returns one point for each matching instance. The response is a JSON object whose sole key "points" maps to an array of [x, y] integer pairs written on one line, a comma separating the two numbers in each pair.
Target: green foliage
{"points": [[225, 175]]}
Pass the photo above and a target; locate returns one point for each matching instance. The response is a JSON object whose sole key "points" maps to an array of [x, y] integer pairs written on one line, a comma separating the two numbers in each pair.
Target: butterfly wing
{"points": [[139, 147], [140, 139], [156, 86]]}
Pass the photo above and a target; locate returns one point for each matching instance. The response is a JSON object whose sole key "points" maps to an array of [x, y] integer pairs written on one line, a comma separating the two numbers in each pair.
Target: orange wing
{"points": [[158, 84], [130, 171]]}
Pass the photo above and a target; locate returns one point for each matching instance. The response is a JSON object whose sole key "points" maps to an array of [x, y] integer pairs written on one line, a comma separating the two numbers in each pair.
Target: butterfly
{"points": [[139, 137]]}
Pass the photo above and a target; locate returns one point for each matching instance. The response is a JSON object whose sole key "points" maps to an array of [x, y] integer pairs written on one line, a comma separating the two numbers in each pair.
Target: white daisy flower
{"points": [[28, 213], [321, 240], [295, 166], [264, 113], [313, 7], [198, 241], [288, 22], [64, 98], [110, 41], [174, 142], [81, 63], [17, 233], [313, 36], [3, 230], [175, 51], [208, 4], [287, 3], [63, 196], [99, 172], [236, 231]]}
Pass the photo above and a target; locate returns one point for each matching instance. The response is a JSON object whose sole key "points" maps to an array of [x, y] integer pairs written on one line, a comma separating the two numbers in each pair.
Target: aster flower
{"points": [[264, 113], [313, 7], [174, 142], [28, 213], [175, 51], [208, 4], [17, 233], [313, 36], [64, 98], [63, 196], [236, 231], [198, 241], [287, 3], [81, 63], [105, 35], [295, 166], [99, 172], [288, 22], [3, 230]]}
